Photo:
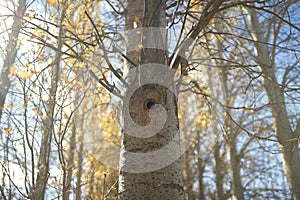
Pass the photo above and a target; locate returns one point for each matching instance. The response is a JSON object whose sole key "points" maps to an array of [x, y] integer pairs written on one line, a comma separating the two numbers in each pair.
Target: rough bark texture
{"points": [[11, 53], [288, 139], [165, 183]]}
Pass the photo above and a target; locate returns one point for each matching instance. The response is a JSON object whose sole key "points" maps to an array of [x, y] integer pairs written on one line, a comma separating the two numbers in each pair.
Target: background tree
{"points": [[286, 133], [11, 52]]}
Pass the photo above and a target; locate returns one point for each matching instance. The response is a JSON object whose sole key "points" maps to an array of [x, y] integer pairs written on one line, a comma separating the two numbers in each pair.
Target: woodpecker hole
{"points": [[149, 104]]}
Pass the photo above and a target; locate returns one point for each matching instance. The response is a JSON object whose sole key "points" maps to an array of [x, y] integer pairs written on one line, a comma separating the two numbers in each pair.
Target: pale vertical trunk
{"points": [[165, 183], [47, 127], [11, 53], [231, 142], [219, 167], [188, 181], [231, 135], [79, 165], [70, 163], [200, 170], [288, 140], [235, 167], [219, 171], [68, 168], [79, 122]]}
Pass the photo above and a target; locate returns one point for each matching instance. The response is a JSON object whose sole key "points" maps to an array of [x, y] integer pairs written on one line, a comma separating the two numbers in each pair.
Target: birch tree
{"points": [[265, 57], [165, 182]]}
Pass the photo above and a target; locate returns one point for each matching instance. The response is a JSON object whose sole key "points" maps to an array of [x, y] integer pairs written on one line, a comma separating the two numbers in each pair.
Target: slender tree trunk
{"points": [[70, 163], [219, 171], [164, 183], [69, 167], [288, 139], [231, 140], [39, 189], [235, 167], [200, 167], [188, 180], [231, 135], [11, 53], [79, 168]]}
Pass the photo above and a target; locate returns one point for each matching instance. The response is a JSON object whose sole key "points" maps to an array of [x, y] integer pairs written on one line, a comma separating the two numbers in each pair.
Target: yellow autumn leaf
{"points": [[8, 106], [42, 57], [26, 66], [81, 64], [28, 16], [105, 173], [36, 110], [32, 71], [8, 129], [52, 2], [24, 75], [13, 71], [22, 105], [91, 48]]}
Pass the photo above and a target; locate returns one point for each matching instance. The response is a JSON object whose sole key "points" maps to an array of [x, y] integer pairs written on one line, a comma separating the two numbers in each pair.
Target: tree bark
{"points": [[164, 183], [11, 53], [288, 139]]}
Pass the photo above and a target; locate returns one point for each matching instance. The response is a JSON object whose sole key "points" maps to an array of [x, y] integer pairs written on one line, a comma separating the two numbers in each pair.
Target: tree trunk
{"points": [[188, 179], [79, 168], [235, 167], [145, 173], [11, 53], [219, 170], [231, 135], [201, 169], [288, 139], [231, 142], [48, 126], [68, 169]]}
